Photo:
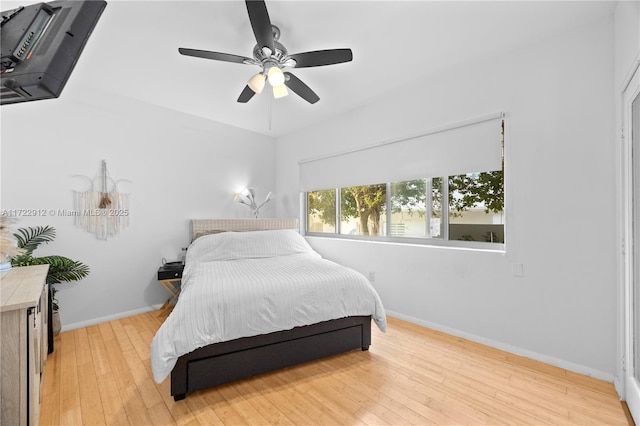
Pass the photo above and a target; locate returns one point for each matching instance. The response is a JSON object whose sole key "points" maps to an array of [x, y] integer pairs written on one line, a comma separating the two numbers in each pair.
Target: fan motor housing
{"points": [[278, 55]]}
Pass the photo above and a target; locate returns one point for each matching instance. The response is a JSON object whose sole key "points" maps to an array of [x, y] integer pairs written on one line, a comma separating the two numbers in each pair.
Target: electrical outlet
{"points": [[372, 276], [517, 269]]}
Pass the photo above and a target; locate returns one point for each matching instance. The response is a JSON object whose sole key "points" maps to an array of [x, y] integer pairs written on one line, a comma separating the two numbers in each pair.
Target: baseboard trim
{"points": [[95, 321], [567, 365], [627, 414]]}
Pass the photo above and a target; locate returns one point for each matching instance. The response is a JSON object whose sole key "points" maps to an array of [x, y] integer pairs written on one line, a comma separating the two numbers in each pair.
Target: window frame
{"points": [[418, 241]]}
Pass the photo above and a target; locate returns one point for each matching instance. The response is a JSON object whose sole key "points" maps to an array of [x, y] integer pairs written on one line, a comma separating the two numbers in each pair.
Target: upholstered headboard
{"points": [[204, 225]]}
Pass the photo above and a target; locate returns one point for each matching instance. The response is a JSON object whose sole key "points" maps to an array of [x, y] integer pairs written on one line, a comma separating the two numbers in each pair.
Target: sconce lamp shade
{"points": [[248, 197], [243, 197]]}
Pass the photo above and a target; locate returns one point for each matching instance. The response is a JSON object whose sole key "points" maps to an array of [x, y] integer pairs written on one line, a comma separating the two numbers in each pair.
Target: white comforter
{"points": [[241, 284]]}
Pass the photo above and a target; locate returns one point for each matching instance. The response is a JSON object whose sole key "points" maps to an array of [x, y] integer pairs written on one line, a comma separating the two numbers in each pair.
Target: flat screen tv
{"points": [[41, 44]]}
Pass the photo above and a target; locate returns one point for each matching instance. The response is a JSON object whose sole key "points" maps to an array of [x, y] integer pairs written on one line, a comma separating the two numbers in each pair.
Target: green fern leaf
{"points": [[30, 238], [63, 269]]}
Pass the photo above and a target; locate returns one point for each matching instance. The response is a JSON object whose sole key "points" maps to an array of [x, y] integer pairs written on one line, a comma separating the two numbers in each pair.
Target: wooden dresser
{"points": [[23, 345]]}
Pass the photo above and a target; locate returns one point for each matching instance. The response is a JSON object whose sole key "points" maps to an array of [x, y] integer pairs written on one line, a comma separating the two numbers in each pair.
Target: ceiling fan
{"points": [[272, 57]]}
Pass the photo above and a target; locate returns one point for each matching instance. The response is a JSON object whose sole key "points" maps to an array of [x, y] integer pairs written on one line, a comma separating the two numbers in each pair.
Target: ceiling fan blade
{"points": [[227, 57], [246, 95], [319, 58], [260, 23], [301, 89]]}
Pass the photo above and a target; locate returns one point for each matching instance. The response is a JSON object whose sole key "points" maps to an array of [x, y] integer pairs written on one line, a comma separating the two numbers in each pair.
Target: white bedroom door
{"points": [[631, 117]]}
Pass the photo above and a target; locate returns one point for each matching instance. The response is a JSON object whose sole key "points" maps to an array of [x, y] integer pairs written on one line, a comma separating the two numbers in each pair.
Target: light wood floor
{"points": [[411, 375]]}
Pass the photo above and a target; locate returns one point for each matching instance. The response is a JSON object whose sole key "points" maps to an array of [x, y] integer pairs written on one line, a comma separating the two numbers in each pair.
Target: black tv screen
{"points": [[40, 45]]}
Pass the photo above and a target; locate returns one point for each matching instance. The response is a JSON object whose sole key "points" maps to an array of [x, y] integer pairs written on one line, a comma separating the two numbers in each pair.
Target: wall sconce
{"points": [[248, 197]]}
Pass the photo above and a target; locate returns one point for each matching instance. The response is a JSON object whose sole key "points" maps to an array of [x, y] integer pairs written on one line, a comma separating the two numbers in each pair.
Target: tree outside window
{"points": [[321, 211], [475, 204], [367, 205]]}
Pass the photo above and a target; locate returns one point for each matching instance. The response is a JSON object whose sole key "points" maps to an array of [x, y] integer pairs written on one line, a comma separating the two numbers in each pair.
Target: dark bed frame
{"points": [[226, 362], [238, 359]]}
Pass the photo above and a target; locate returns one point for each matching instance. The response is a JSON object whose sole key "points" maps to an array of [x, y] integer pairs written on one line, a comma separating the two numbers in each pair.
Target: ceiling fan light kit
{"points": [[275, 75], [280, 91], [272, 57], [256, 83]]}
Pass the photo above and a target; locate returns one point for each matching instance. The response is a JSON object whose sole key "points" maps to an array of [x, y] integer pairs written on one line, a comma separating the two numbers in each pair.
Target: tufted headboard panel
{"points": [[205, 225]]}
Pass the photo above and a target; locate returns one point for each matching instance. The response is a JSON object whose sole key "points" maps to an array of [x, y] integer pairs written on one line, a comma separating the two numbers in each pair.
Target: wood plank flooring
{"points": [[101, 375]]}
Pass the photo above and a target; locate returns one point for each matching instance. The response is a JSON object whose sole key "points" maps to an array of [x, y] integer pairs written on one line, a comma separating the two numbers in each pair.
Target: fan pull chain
{"points": [[270, 111]]}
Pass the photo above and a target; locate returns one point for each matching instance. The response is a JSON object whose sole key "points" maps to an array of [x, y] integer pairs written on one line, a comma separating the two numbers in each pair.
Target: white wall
{"points": [[182, 167], [559, 156]]}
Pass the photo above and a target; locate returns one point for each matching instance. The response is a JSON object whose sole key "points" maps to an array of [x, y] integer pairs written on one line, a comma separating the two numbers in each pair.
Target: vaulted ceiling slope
{"points": [[133, 51]]}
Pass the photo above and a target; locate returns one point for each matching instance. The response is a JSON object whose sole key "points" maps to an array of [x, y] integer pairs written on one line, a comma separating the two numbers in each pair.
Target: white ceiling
{"points": [[134, 50]]}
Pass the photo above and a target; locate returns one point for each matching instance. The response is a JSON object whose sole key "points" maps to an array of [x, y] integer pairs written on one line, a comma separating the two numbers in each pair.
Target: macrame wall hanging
{"points": [[102, 209]]}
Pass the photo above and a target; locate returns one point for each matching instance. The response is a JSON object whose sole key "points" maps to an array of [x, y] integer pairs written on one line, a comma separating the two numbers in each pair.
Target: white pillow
{"points": [[247, 245]]}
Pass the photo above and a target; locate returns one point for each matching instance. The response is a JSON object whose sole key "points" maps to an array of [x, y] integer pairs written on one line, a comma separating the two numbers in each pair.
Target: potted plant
{"points": [[61, 269]]}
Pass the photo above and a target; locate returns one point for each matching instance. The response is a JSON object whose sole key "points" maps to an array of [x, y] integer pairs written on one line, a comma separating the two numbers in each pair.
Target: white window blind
{"points": [[471, 146]]}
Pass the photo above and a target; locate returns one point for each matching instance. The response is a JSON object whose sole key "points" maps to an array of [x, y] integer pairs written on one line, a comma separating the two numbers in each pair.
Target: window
{"points": [[321, 211], [409, 208], [435, 187], [363, 210], [474, 209], [436, 223]]}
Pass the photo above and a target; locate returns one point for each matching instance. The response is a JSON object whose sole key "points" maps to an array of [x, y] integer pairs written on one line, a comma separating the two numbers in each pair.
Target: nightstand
{"points": [[170, 277]]}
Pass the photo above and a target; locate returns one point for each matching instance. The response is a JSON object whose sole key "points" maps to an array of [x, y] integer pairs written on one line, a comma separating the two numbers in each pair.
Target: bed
{"points": [[257, 301]]}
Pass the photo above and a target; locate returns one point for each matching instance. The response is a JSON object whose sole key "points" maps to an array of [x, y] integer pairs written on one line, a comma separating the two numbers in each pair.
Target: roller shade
{"points": [[472, 146]]}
